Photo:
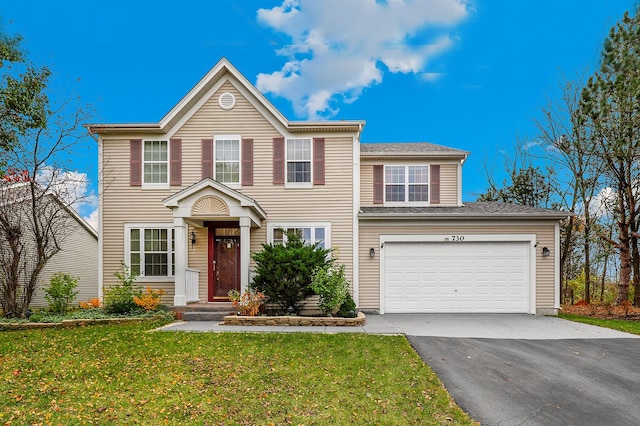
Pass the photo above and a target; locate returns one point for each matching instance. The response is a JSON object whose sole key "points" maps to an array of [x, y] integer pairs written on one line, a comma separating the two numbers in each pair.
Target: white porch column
{"points": [[180, 227], [245, 249]]}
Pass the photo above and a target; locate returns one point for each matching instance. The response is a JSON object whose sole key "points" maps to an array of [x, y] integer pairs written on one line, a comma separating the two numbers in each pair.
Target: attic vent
{"points": [[227, 101]]}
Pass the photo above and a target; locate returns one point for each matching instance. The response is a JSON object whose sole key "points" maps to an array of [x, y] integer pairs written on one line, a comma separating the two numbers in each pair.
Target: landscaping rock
{"points": [[295, 321]]}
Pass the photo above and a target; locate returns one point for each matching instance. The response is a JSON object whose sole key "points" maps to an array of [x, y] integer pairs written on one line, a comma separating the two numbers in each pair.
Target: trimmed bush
{"points": [[283, 272], [348, 308]]}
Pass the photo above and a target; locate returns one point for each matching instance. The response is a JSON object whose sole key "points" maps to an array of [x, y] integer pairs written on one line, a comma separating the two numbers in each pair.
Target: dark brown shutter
{"points": [[175, 162], [135, 162], [247, 162], [435, 183], [278, 160], [378, 184], [207, 158], [318, 161]]}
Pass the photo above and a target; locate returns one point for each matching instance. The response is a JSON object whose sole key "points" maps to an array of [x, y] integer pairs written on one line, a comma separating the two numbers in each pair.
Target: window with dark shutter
{"points": [[318, 161], [278, 160], [207, 158], [247, 162], [135, 162], [435, 184], [176, 162], [378, 184]]}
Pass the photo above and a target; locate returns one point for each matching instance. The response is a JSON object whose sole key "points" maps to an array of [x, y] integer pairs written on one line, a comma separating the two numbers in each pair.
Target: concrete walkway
{"points": [[488, 326]]}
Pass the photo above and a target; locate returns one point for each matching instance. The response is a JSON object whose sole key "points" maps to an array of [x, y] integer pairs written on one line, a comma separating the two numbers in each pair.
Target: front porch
{"points": [[225, 217]]}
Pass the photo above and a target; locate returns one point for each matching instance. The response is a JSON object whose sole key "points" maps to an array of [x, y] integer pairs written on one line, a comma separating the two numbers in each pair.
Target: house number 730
{"points": [[457, 238]]}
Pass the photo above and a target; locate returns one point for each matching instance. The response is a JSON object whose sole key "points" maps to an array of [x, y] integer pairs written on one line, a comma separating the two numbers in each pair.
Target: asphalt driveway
{"points": [[522, 379]]}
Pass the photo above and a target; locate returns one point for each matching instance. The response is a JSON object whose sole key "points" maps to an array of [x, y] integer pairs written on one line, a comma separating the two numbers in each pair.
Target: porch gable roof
{"points": [[186, 198]]}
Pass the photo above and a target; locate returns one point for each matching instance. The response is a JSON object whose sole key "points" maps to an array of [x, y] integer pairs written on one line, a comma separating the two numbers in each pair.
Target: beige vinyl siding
{"points": [[330, 202], [125, 204], [366, 184], [448, 185], [370, 231], [448, 182], [78, 258]]}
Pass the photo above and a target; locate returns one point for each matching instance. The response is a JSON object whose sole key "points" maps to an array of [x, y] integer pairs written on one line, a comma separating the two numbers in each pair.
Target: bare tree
{"points": [[37, 195], [568, 141]]}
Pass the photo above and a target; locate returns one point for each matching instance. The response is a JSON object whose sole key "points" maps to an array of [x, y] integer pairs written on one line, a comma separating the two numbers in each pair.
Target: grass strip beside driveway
{"points": [[115, 374], [628, 326]]}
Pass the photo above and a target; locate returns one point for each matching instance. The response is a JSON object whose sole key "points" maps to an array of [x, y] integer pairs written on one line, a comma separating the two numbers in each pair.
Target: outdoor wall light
{"points": [[546, 252], [192, 238], [372, 252]]}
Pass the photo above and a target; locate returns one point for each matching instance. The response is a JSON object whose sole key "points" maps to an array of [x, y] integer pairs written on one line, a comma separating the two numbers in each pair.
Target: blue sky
{"points": [[470, 74]]}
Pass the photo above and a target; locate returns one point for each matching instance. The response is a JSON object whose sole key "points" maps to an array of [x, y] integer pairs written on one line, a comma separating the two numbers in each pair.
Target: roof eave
{"points": [[376, 156], [445, 216], [126, 128], [325, 126]]}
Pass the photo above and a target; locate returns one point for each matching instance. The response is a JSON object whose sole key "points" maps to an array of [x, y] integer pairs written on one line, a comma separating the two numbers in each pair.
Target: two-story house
{"points": [[186, 200]]}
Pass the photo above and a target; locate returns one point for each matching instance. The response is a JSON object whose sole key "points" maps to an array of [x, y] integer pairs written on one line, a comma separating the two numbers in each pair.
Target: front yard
{"points": [[115, 374]]}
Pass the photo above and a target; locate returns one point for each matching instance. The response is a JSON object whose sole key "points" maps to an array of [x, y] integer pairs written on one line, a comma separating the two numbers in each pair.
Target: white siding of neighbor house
{"points": [[79, 258], [330, 202], [370, 232]]}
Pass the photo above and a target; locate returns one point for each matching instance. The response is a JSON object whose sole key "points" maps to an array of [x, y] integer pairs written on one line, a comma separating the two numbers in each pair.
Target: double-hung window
{"points": [[298, 160], [227, 159], [155, 164], [406, 184], [150, 249], [310, 233]]}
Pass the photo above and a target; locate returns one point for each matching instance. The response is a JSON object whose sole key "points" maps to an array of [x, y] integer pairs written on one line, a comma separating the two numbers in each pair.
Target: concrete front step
{"points": [[203, 311], [204, 316]]}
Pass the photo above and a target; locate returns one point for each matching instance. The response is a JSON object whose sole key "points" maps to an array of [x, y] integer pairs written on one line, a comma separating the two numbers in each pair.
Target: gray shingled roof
{"points": [[479, 210], [420, 148]]}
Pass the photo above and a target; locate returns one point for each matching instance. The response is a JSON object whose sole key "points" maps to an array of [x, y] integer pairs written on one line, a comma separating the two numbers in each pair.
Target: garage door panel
{"points": [[457, 277]]}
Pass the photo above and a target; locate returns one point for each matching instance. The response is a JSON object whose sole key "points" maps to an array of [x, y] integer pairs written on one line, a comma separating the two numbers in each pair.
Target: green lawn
{"points": [[628, 326], [107, 374]]}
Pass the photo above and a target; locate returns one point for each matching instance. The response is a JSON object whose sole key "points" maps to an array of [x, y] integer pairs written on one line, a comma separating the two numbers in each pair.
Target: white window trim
{"points": [[216, 138], [288, 184], [146, 185], [127, 249], [285, 225], [406, 184]]}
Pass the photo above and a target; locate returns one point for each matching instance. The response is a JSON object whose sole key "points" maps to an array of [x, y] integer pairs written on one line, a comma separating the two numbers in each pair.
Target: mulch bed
{"points": [[603, 311]]}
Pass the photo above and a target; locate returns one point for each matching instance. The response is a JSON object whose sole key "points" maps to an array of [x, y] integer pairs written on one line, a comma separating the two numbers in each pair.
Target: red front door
{"points": [[224, 266]]}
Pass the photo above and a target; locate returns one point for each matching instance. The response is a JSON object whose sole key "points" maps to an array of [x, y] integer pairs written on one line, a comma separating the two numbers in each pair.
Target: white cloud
{"points": [[92, 219], [70, 186], [338, 48], [601, 204], [431, 76]]}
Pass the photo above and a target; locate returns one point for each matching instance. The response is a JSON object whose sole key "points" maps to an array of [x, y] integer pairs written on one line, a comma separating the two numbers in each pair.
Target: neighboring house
{"points": [[78, 255], [185, 201]]}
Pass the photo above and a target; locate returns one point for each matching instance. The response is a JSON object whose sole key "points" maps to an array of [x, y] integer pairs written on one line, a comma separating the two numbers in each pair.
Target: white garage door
{"points": [[457, 277]]}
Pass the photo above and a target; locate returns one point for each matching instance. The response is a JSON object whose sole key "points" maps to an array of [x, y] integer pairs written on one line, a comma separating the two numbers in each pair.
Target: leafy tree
{"points": [[611, 103], [284, 272], [23, 103]]}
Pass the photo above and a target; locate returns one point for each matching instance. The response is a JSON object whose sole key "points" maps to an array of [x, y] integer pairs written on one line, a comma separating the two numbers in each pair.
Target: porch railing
{"points": [[192, 278]]}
